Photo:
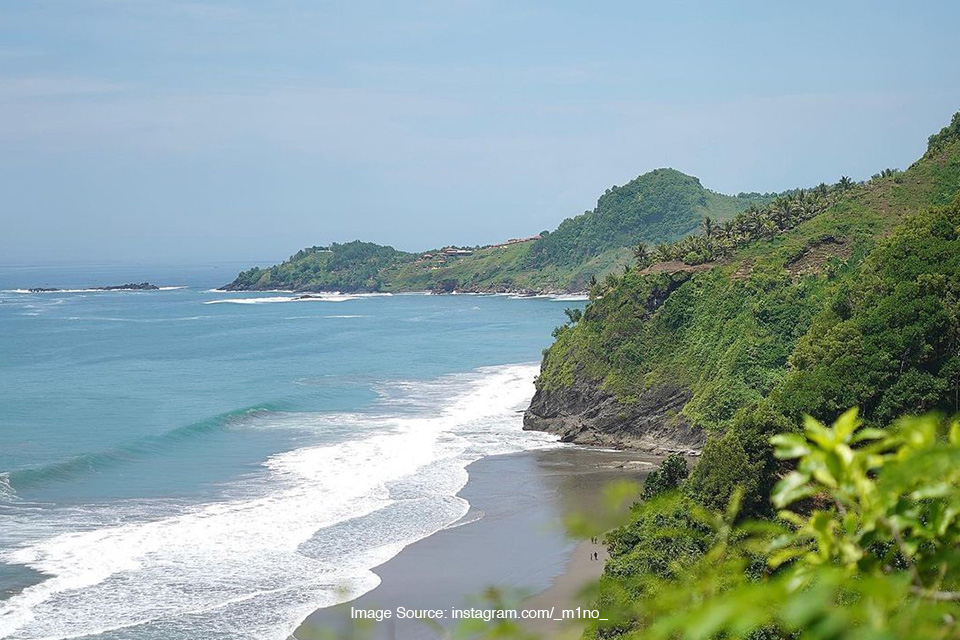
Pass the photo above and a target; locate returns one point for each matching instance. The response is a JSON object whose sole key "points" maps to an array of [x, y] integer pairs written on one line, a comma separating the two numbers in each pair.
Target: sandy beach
{"points": [[513, 538]]}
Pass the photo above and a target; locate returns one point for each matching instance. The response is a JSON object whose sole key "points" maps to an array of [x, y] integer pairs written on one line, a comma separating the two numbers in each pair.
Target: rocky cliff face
{"points": [[584, 413]]}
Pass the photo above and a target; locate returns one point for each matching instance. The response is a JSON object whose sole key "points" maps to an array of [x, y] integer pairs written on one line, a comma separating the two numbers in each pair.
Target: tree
{"points": [[845, 183], [662, 252], [574, 315], [672, 471], [724, 469], [867, 548], [642, 253], [707, 226]]}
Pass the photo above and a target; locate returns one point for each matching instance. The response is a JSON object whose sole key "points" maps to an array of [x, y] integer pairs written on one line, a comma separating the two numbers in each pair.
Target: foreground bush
{"points": [[866, 545]]}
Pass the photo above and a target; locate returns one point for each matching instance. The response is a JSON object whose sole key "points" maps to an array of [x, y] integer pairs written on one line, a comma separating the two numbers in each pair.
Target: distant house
{"points": [[513, 241], [454, 251]]}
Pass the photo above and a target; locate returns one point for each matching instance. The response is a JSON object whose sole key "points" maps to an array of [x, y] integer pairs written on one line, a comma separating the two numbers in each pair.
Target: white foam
{"points": [[569, 297], [6, 490], [246, 568], [313, 297], [136, 320], [258, 291]]}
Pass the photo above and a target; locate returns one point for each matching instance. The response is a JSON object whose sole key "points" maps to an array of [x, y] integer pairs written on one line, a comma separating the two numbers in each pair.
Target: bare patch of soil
{"points": [[817, 254]]}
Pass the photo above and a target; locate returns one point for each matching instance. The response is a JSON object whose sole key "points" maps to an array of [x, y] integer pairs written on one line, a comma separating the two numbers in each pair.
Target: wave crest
{"points": [[102, 460]]}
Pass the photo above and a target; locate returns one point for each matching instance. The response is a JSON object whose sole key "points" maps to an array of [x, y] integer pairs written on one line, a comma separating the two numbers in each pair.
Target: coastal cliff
{"points": [[586, 414], [786, 310], [572, 401]]}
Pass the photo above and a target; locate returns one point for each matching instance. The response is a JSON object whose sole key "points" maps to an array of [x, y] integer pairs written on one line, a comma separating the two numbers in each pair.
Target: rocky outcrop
{"points": [[585, 413], [447, 285], [130, 286]]}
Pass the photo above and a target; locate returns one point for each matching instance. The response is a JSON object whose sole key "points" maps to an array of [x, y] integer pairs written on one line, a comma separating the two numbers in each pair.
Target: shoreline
{"points": [[564, 592], [512, 538]]}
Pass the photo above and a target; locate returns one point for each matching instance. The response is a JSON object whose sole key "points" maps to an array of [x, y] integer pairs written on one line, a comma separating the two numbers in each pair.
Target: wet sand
{"points": [[513, 538]]}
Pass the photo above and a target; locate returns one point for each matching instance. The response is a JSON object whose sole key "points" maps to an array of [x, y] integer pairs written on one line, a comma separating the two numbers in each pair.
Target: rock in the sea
{"points": [[140, 286], [131, 286]]}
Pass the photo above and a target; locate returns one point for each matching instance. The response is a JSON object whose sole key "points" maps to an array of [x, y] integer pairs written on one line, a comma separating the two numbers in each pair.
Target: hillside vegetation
{"points": [[353, 266], [762, 315], [843, 296], [658, 207]]}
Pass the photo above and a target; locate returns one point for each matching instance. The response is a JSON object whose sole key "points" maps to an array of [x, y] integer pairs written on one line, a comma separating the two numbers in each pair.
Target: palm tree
{"points": [[611, 281], [741, 224], [641, 253], [845, 183], [781, 212], [707, 226], [768, 228]]}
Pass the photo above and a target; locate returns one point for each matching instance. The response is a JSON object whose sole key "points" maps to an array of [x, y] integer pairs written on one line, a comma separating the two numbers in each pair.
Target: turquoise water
{"points": [[187, 463]]}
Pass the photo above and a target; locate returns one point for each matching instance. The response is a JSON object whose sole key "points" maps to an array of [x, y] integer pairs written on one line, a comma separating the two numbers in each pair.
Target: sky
{"points": [[166, 131]]}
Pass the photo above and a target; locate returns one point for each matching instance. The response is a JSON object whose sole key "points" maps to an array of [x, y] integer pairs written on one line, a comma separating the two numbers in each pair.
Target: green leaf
{"points": [[846, 424], [868, 433], [793, 487], [789, 446]]}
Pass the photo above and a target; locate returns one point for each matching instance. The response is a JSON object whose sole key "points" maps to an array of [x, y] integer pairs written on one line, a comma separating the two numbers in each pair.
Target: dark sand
{"points": [[513, 538]]}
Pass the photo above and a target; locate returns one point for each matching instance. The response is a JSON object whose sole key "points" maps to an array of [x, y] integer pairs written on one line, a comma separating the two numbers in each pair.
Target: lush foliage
{"points": [[867, 545], [888, 340], [667, 477], [354, 266], [950, 133], [660, 206], [721, 240], [855, 305]]}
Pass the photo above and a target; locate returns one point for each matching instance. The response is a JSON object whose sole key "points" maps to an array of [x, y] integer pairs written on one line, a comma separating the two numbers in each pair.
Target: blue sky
{"points": [[194, 130]]}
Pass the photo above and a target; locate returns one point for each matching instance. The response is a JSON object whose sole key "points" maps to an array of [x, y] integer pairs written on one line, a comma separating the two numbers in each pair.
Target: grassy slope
{"points": [[659, 206], [728, 332]]}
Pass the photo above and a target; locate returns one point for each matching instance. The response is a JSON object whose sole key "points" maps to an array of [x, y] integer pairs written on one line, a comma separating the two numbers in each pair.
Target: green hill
{"points": [[846, 296], [353, 266], [660, 206]]}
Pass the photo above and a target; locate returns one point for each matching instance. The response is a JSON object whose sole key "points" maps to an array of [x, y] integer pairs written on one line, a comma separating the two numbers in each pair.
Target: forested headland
{"points": [[661, 206], [788, 347]]}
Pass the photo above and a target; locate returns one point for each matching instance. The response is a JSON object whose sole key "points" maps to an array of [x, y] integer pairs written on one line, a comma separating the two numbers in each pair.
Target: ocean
{"points": [[187, 463]]}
